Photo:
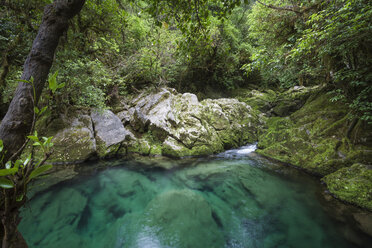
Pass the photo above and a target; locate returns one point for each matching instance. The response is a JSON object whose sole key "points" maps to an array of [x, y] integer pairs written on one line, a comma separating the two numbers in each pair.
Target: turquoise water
{"points": [[235, 199]]}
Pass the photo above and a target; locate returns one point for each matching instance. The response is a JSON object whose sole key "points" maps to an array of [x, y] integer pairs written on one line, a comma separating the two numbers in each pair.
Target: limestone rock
{"points": [[109, 132], [186, 127], [75, 142]]}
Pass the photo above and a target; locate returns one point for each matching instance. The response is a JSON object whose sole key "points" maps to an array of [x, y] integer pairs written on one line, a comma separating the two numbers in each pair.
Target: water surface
{"points": [[234, 199]]}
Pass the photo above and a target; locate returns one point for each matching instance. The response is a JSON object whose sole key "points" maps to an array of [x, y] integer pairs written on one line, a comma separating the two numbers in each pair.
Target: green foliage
{"points": [[53, 85], [321, 43], [12, 172], [117, 47], [339, 36], [86, 82]]}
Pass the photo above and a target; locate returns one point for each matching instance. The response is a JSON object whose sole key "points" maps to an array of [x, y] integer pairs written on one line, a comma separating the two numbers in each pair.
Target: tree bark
{"points": [[18, 119]]}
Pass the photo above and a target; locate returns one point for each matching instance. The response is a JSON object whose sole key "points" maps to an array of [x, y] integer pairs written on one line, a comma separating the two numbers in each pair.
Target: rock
{"points": [[262, 101], [277, 104], [352, 184], [173, 148], [75, 142], [57, 215], [364, 221], [179, 218], [183, 126], [313, 138], [158, 123], [109, 132]]}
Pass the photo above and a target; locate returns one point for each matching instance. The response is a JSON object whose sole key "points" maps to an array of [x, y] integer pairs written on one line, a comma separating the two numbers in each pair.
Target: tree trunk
{"points": [[18, 119]]}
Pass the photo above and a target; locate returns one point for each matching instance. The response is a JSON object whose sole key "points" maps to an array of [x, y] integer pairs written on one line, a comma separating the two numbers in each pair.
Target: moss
{"points": [[261, 101], [156, 149], [204, 150], [139, 146], [352, 184], [312, 138], [173, 148]]}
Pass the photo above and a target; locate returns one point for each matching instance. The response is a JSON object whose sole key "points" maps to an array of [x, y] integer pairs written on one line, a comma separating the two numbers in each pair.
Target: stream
{"points": [[233, 199]]}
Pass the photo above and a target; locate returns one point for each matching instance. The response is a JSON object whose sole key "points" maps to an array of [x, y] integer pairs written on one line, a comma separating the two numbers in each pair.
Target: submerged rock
{"points": [[178, 218]]}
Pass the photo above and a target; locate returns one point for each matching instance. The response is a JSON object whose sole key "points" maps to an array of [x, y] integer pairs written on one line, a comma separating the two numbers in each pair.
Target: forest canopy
{"points": [[117, 47]]}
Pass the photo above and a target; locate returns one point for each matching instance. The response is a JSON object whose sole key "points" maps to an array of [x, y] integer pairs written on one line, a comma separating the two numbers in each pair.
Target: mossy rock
{"points": [[73, 138], [73, 145], [314, 138], [262, 101], [352, 184]]}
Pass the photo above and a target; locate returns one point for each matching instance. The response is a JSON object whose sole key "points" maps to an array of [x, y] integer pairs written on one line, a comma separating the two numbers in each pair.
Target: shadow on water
{"points": [[232, 199]]}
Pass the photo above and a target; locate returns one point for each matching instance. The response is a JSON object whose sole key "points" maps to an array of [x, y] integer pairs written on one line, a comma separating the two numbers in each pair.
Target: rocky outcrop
{"points": [[160, 123], [74, 139], [277, 103], [352, 184], [178, 125], [316, 138], [322, 138]]}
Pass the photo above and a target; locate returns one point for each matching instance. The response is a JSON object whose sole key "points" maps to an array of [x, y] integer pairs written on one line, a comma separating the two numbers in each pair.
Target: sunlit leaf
{"points": [[6, 183], [7, 172]]}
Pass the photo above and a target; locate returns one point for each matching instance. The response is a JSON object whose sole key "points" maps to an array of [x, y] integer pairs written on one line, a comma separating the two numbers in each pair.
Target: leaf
{"points": [[7, 172], [36, 110], [23, 81], [17, 163], [33, 138], [43, 110], [53, 86], [1, 145], [27, 160], [19, 198], [6, 183], [38, 171], [61, 85]]}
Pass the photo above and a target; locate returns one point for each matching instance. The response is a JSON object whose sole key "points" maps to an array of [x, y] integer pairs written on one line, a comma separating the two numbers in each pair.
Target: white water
{"points": [[239, 152]]}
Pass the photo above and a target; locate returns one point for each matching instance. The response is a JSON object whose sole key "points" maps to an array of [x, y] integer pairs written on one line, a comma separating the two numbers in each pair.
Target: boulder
{"points": [[323, 139], [75, 141], [183, 126], [109, 132], [352, 184]]}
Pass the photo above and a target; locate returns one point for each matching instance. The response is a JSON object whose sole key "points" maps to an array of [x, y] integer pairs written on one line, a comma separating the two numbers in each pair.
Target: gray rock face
{"points": [[183, 126], [109, 132], [160, 123], [76, 141]]}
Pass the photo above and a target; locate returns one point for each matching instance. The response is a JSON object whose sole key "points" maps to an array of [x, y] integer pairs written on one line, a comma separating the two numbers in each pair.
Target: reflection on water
{"points": [[233, 199]]}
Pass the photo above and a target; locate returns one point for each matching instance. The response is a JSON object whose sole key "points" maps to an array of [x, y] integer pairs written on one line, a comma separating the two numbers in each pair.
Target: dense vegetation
{"points": [[210, 47]]}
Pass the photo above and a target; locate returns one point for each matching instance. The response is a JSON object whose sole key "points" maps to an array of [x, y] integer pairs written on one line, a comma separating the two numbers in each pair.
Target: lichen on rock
{"points": [[186, 127]]}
